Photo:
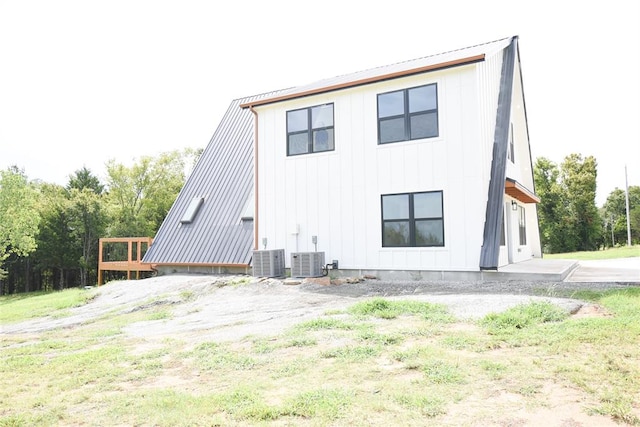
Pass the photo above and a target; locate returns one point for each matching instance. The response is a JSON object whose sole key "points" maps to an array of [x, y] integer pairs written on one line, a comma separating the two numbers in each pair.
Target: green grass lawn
{"points": [[19, 307], [611, 253], [380, 362]]}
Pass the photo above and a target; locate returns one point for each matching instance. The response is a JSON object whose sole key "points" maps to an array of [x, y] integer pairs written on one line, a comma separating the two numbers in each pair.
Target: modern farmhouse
{"points": [[422, 167]]}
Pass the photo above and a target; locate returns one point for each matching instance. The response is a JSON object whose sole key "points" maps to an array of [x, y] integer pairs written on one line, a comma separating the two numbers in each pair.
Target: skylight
{"points": [[192, 210]]}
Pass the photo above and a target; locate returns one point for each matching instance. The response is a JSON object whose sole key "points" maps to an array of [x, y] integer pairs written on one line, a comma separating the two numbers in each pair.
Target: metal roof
{"points": [[490, 250], [468, 55], [223, 176]]}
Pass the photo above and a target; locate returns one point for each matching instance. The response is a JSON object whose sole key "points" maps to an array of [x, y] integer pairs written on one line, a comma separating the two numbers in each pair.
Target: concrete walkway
{"points": [[607, 270], [554, 270], [626, 270]]}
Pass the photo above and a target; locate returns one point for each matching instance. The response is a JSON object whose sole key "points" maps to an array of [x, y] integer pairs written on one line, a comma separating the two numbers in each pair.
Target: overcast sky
{"points": [[85, 81]]}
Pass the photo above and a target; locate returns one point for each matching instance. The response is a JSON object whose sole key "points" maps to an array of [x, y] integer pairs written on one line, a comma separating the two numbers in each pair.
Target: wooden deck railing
{"points": [[113, 257]]}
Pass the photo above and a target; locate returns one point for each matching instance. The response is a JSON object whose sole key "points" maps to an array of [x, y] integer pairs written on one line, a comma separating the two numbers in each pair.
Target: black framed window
{"points": [[412, 219], [310, 130], [522, 226], [408, 114]]}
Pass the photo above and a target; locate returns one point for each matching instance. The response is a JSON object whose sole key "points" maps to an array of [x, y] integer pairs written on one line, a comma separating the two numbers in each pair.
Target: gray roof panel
{"points": [[223, 176]]}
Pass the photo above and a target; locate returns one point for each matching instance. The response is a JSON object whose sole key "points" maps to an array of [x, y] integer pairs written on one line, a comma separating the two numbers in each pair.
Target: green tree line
{"points": [[49, 233], [568, 216]]}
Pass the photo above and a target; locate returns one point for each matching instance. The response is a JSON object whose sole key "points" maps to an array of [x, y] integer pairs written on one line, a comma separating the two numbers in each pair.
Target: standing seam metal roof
{"points": [[438, 61], [223, 176]]}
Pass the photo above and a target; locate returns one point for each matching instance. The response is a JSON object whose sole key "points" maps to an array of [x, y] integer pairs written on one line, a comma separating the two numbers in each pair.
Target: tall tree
{"points": [[551, 207], [18, 217], [569, 218], [88, 221], [582, 222], [57, 251]]}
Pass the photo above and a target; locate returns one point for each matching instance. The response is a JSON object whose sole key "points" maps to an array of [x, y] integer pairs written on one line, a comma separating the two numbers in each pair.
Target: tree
{"points": [[546, 174], [84, 178], [582, 223], [615, 215], [57, 251], [88, 219], [88, 223], [141, 195], [18, 217], [569, 218]]}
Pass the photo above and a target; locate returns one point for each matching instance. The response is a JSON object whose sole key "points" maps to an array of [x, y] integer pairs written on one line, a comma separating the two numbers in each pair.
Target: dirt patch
{"points": [[591, 310]]}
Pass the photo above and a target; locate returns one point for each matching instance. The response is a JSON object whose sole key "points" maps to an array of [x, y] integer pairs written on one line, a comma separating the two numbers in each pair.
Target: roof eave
{"points": [[359, 82], [519, 192]]}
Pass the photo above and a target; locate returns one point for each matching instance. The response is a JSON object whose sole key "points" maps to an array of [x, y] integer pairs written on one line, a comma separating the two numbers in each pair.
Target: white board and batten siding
{"points": [[336, 195], [520, 169]]}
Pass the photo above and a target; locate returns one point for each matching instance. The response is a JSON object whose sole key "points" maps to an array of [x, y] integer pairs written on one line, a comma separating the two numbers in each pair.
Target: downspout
{"points": [[255, 177]]}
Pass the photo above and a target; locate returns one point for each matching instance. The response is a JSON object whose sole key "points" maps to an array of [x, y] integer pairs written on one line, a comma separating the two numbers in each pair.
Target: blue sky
{"points": [[84, 81]]}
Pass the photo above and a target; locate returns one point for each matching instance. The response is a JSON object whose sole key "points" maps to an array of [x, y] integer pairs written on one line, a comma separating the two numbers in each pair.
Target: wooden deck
{"points": [[112, 255]]}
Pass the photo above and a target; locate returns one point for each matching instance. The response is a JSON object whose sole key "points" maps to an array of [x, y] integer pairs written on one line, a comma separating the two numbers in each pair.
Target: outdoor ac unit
{"points": [[307, 264], [268, 263]]}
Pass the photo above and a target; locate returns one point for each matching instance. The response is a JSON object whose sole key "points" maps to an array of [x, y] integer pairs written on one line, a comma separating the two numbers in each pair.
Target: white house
{"points": [[422, 166]]}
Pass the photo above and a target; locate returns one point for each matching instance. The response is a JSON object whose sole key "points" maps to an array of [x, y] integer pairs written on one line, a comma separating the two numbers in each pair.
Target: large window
{"points": [[408, 114], [522, 226], [310, 130], [412, 219]]}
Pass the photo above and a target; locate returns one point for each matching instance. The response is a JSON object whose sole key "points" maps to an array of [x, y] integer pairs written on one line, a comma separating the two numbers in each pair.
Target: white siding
{"points": [[488, 91], [336, 195], [521, 169]]}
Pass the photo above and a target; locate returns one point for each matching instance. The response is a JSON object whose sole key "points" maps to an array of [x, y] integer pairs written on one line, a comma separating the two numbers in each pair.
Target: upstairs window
{"points": [[310, 130], [412, 219], [408, 114]]}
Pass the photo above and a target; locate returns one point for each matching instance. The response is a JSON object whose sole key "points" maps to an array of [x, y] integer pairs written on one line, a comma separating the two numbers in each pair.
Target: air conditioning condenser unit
{"points": [[307, 264], [268, 263]]}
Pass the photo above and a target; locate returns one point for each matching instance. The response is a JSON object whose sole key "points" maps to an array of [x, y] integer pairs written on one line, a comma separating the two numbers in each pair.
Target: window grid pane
{"points": [[427, 205], [323, 140], [297, 121], [322, 116], [310, 130], [422, 99], [424, 125], [391, 104], [395, 207], [396, 233], [392, 130], [298, 143], [429, 232]]}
